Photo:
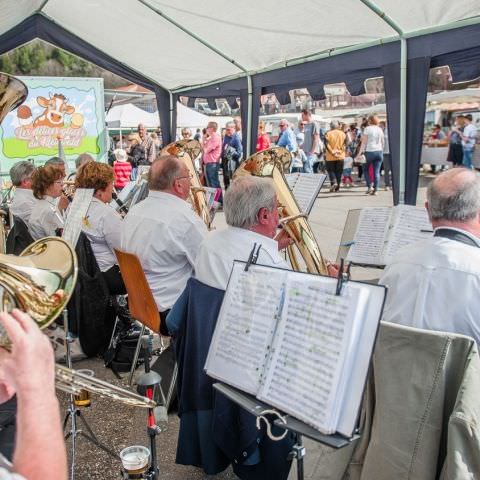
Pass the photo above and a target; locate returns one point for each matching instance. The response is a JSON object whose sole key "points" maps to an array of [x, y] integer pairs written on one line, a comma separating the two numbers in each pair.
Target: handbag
{"points": [[361, 159]]}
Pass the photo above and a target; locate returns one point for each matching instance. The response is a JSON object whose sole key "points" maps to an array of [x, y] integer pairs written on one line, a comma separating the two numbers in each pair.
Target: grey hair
{"points": [[334, 124], [230, 125], [245, 197], [21, 171], [163, 172], [83, 158], [54, 161], [454, 196]]}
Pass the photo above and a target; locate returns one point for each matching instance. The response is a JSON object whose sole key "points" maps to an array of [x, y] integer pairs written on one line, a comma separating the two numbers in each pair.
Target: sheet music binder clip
{"points": [[253, 257], [343, 276]]}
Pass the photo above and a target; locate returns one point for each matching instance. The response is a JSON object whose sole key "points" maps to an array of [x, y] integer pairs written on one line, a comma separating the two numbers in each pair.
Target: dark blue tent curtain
{"points": [[38, 26]]}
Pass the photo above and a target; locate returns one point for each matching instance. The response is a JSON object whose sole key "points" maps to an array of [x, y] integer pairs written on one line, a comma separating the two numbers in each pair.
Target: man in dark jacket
{"points": [[232, 152]]}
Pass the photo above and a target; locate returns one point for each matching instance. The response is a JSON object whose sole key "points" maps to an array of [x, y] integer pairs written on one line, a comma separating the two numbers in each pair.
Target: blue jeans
{"points": [[467, 158], [308, 164], [375, 158], [211, 176]]}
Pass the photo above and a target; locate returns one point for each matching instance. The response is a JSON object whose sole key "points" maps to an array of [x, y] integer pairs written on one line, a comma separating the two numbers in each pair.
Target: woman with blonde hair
{"points": [[263, 140], [372, 145], [47, 213], [103, 224]]}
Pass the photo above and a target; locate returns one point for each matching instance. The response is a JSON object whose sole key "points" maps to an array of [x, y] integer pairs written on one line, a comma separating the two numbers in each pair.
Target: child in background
{"points": [[347, 180], [122, 168]]}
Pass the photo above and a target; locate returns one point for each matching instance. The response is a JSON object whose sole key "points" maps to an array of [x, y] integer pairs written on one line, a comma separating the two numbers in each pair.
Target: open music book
{"points": [[77, 215], [286, 338], [382, 231], [305, 188]]}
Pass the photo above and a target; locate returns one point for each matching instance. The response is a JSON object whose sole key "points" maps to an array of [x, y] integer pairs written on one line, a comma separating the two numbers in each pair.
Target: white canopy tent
{"points": [[129, 116], [209, 41]]}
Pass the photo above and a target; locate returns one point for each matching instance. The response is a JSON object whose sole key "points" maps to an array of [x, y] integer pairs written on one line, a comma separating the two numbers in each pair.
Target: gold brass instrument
{"points": [[189, 150], [273, 163], [13, 92], [68, 189], [40, 281], [74, 382]]}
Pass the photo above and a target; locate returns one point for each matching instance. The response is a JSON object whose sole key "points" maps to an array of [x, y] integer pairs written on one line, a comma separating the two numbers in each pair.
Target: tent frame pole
{"points": [[403, 95], [219, 53]]}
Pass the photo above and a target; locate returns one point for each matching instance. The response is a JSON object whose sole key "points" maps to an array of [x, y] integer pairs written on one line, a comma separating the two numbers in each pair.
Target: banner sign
{"points": [[57, 108]]}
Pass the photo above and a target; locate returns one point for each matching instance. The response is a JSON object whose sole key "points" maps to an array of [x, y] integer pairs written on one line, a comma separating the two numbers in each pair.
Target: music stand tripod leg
{"points": [[90, 436]]}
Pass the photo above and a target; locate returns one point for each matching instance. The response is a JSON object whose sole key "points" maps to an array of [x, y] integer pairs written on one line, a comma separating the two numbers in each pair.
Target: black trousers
{"points": [[163, 323], [114, 281], [335, 169], [8, 414]]}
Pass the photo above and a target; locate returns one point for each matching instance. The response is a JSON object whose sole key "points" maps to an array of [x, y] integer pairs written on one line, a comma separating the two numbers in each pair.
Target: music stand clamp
{"points": [[73, 411]]}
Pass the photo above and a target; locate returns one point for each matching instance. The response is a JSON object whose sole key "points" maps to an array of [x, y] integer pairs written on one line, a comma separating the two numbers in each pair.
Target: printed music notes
{"points": [[305, 188], [305, 356], [77, 215], [382, 231]]}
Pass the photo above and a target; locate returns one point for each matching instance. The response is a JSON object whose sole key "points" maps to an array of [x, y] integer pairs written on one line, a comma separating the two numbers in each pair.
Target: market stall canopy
{"points": [[129, 116], [189, 43]]}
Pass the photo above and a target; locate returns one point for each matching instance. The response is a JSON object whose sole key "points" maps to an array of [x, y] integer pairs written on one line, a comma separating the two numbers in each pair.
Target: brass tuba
{"points": [[40, 281], [189, 150], [273, 163], [13, 92]]}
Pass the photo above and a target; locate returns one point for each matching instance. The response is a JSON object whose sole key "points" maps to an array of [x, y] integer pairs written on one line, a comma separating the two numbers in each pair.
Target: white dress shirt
{"points": [[165, 233], [103, 226], [220, 248], [23, 203], [434, 284], [45, 218]]}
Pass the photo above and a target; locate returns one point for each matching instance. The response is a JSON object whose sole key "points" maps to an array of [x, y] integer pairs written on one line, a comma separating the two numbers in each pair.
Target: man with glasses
{"points": [[23, 201], [286, 137], [164, 232]]}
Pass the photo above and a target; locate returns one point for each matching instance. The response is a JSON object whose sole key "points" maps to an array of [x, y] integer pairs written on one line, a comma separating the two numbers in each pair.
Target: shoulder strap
{"points": [[455, 235]]}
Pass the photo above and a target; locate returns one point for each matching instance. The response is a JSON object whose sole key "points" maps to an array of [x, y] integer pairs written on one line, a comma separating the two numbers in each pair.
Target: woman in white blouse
{"points": [[47, 213], [372, 145], [102, 224]]}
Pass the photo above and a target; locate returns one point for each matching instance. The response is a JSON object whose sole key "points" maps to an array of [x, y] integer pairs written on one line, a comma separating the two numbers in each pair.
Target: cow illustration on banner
{"points": [[69, 109]]}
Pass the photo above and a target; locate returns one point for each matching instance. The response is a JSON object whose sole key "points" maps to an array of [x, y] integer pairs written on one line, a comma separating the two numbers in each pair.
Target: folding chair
{"points": [[141, 303]]}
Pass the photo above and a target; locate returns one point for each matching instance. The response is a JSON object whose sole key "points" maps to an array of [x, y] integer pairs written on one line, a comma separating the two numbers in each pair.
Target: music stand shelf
{"points": [[255, 407]]}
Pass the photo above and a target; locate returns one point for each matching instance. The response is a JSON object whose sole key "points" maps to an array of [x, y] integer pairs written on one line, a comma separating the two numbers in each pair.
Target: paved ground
{"points": [[118, 426]]}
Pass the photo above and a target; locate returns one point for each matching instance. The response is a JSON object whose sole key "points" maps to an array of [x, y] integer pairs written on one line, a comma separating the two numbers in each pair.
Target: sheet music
{"points": [[305, 188], [309, 352], [370, 236], [245, 327], [76, 215], [408, 221]]}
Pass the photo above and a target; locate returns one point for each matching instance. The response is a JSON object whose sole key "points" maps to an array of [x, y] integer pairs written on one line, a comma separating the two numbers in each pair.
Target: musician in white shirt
{"points": [[251, 212], [103, 224], [46, 217], [164, 231], [23, 200], [434, 284]]}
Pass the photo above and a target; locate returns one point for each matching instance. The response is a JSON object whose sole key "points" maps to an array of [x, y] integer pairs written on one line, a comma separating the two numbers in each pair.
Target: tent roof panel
{"points": [[256, 35], [140, 38]]}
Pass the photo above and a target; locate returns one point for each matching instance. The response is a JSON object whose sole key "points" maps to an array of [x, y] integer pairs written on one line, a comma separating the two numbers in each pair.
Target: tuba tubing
{"points": [[272, 163]]}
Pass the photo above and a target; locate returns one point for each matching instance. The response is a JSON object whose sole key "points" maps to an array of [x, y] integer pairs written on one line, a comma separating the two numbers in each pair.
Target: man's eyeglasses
{"points": [[190, 176]]}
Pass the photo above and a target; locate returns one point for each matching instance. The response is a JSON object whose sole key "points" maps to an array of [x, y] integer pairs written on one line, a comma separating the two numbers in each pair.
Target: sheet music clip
{"points": [[343, 276], [253, 257]]}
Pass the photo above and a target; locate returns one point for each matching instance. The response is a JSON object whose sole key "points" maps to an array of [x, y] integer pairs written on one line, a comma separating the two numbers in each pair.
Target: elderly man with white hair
{"points": [[434, 284], [23, 201], [251, 212]]}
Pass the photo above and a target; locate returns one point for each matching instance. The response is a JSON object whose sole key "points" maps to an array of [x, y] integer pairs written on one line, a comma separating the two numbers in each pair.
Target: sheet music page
{"points": [[370, 236], [304, 375], [245, 326], [76, 215], [407, 223], [123, 194], [305, 188]]}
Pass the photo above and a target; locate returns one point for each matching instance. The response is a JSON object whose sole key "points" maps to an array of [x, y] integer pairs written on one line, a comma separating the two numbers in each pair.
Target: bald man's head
{"points": [[454, 196], [163, 172]]}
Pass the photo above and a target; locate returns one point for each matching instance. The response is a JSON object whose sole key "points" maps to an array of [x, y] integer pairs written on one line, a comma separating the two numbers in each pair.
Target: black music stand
{"points": [[256, 408], [73, 412]]}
